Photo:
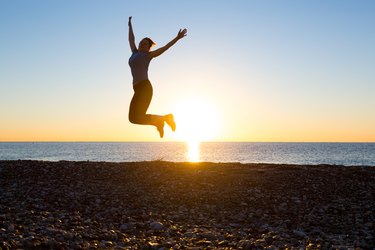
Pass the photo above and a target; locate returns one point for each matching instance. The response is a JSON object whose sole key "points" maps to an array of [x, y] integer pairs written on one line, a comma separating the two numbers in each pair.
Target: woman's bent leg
{"points": [[139, 105]]}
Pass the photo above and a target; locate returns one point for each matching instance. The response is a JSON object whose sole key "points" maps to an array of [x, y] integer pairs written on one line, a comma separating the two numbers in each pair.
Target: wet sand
{"points": [[162, 205]]}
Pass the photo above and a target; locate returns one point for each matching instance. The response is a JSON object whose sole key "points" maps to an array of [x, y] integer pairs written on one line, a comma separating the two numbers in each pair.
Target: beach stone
{"points": [[156, 226], [204, 242], [51, 242], [190, 235], [299, 233], [208, 235], [236, 225], [294, 242], [244, 244], [153, 245], [271, 248], [269, 239], [260, 243], [105, 243], [282, 206], [126, 226], [31, 242], [223, 243], [110, 235], [11, 228]]}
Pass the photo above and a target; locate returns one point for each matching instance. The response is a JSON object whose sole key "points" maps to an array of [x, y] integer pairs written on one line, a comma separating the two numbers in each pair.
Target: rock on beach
{"points": [[163, 205]]}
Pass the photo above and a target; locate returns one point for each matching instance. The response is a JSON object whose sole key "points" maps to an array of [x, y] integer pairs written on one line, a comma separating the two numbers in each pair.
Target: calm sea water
{"points": [[293, 153]]}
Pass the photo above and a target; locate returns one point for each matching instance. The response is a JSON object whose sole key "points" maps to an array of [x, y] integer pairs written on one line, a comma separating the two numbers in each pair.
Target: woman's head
{"points": [[145, 44]]}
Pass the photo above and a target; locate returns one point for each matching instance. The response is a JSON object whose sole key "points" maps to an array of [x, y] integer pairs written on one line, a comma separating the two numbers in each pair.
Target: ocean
{"points": [[348, 154]]}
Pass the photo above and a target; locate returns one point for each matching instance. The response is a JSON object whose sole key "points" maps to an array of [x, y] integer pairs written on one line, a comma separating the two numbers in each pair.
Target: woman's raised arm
{"points": [[131, 36], [158, 52]]}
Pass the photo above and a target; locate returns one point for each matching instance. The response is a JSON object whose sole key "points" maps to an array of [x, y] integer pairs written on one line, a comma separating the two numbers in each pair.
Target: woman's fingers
{"points": [[182, 33]]}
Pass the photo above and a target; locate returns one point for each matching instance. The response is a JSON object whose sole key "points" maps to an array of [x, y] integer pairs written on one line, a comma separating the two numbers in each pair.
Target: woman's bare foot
{"points": [[160, 128], [169, 119]]}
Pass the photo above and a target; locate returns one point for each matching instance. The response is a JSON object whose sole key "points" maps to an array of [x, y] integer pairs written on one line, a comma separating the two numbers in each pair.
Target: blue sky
{"points": [[275, 70]]}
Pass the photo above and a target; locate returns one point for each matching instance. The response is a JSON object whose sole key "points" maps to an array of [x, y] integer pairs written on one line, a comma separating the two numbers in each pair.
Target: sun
{"points": [[197, 120]]}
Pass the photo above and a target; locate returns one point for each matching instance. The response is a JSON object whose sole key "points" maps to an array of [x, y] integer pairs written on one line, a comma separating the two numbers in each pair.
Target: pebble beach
{"points": [[167, 205]]}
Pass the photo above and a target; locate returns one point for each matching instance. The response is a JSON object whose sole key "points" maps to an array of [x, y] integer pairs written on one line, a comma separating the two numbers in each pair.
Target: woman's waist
{"points": [[141, 83]]}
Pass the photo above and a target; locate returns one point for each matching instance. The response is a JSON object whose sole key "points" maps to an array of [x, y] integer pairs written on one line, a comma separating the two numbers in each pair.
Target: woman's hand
{"points": [[181, 33], [130, 21]]}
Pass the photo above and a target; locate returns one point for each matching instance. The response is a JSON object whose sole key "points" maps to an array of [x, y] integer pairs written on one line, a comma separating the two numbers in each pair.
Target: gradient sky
{"points": [[271, 70]]}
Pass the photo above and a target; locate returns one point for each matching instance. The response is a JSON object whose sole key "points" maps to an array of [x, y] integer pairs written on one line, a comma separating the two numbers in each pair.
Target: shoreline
{"points": [[156, 204]]}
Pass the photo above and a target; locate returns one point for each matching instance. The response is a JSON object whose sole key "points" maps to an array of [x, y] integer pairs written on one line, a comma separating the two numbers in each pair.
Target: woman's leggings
{"points": [[139, 104]]}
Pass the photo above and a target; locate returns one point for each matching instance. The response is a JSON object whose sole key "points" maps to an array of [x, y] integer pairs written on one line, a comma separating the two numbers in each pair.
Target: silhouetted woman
{"points": [[139, 62]]}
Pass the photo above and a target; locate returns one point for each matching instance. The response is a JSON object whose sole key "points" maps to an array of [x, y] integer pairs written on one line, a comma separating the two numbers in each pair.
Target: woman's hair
{"points": [[152, 43]]}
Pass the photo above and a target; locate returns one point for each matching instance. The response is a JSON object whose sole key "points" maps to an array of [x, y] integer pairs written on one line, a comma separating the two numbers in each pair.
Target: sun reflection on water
{"points": [[193, 153]]}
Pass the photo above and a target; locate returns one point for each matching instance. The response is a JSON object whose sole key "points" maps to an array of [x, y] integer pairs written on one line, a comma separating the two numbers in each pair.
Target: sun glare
{"points": [[196, 120], [193, 152]]}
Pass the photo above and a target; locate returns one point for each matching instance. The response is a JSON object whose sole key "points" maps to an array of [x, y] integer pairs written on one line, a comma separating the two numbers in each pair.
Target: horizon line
{"points": [[187, 141]]}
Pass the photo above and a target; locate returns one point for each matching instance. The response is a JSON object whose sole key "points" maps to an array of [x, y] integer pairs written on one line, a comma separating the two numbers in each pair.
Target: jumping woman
{"points": [[139, 62]]}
